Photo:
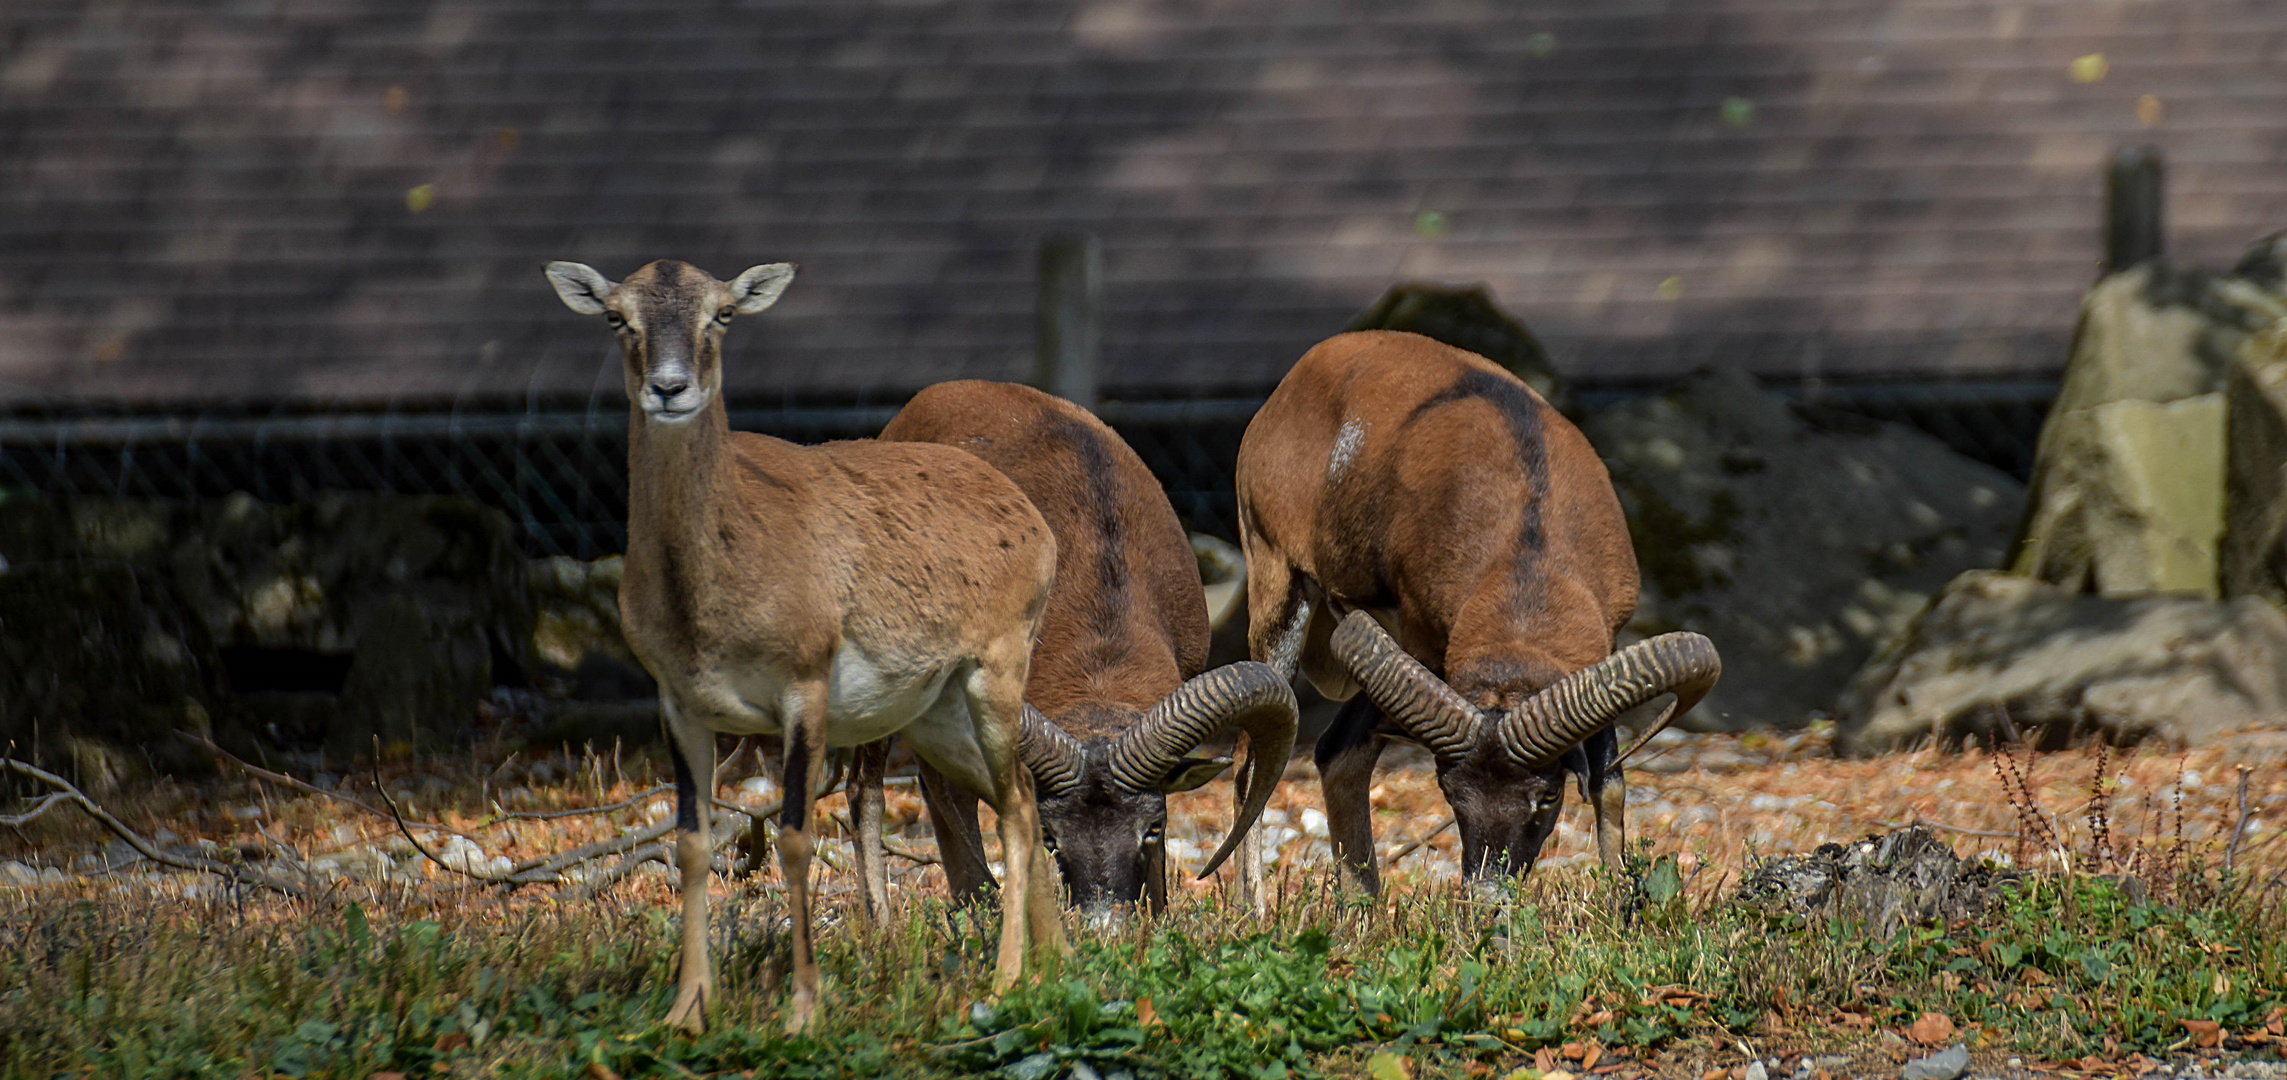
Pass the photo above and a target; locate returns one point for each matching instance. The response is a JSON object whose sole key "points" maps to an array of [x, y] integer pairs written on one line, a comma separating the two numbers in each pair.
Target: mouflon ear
{"points": [[759, 287], [581, 287]]}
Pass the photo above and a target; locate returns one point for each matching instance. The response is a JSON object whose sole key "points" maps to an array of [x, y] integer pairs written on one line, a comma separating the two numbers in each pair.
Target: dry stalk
{"points": [[2238, 825]]}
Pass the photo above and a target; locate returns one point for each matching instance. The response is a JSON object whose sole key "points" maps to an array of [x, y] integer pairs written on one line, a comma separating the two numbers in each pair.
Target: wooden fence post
{"points": [[2132, 201], [1071, 282]]}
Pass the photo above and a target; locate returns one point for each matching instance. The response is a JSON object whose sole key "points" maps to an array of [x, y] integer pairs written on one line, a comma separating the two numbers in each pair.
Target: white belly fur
{"points": [[867, 698]]}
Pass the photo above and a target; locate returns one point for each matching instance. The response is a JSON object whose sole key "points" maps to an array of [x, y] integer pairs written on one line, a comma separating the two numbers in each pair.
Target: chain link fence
{"points": [[559, 470]]}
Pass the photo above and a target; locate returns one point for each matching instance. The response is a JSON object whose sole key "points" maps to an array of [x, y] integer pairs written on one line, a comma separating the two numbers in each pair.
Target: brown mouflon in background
{"points": [[1393, 485], [1118, 696]]}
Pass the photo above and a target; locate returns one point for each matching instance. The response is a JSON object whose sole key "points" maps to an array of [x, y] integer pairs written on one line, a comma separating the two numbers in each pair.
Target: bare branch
{"points": [[283, 780], [407, 830], [37, 809], [136, 840], [555, 815], [909, 854], [619, 871]]}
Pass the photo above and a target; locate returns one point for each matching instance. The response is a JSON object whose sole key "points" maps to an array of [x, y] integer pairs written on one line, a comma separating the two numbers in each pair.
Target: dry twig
{"points": [[1419, 841], [554, 815]]}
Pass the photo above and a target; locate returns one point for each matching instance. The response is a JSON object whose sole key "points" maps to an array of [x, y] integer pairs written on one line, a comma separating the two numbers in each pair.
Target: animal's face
{"points": [[670, 317], [1105, 834], [1504, 810]]}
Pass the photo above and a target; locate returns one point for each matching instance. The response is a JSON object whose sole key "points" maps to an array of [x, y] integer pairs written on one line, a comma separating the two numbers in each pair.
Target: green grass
{"points": [[113, 985]]}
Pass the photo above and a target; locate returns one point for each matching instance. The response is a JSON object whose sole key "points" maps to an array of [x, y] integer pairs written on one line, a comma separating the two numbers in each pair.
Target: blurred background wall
{"points": [[230, 225]]}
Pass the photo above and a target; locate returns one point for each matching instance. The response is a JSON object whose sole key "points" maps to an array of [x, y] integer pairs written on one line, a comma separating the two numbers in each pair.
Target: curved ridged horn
{"points": [[1584, 702], [1246, 695], [1405, 691], [1054, 757]]}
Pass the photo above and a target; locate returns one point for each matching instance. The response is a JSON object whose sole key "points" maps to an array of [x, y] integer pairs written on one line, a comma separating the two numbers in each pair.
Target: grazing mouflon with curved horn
{"points": [[1117, 698], [1396, 485], [836, 594]]}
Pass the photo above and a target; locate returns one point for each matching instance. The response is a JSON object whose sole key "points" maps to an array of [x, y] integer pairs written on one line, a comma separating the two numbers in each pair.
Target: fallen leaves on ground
{"points": [[1932, 1029]]}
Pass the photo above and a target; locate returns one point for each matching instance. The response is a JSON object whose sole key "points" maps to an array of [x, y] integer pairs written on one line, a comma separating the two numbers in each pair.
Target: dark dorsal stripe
{"points": [[1521, 414], [1097, 464]]}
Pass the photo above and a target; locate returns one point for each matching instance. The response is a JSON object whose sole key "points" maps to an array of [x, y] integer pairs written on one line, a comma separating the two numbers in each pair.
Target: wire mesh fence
{"points": [[559, 471]]}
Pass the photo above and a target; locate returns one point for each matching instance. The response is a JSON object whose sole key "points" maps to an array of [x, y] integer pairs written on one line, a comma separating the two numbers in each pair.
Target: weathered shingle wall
{"points": [[209, 200]]}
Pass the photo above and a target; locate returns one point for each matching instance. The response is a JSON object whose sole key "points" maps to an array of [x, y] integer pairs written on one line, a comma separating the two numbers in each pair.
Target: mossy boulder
{"points": [[1796, 538], [2129, 476], [2003, 658], [2253, 556]]}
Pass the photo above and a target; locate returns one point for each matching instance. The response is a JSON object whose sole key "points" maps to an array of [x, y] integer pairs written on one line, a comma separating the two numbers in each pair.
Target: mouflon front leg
{"points": [[960, 842], [805, 712], [1029, 919], [693, 749], [1346, 757], [1603, 787]]}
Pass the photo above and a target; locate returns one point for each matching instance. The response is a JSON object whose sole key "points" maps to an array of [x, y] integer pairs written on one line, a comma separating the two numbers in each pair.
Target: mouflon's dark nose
{"points": [[669, 387]]}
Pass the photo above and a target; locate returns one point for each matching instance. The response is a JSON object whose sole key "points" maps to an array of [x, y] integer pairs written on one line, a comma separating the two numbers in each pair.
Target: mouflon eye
{"points": [[725, 314], [615, 318]]}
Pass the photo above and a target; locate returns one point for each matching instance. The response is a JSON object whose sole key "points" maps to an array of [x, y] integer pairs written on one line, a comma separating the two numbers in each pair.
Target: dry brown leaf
{"points": [[2206, 1034], [1932, 1029], [1588, 1058], [1147, 1015]]}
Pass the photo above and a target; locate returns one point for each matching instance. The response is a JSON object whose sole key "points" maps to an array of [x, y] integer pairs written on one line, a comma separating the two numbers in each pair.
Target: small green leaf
{"points": [[1389, 1066], [355, 929]]}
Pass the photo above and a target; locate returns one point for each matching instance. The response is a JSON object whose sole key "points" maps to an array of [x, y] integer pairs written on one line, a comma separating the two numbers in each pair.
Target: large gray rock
{"points": [[2254, 553], [2002, 657], [2128, 483], [1795, 538]]}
